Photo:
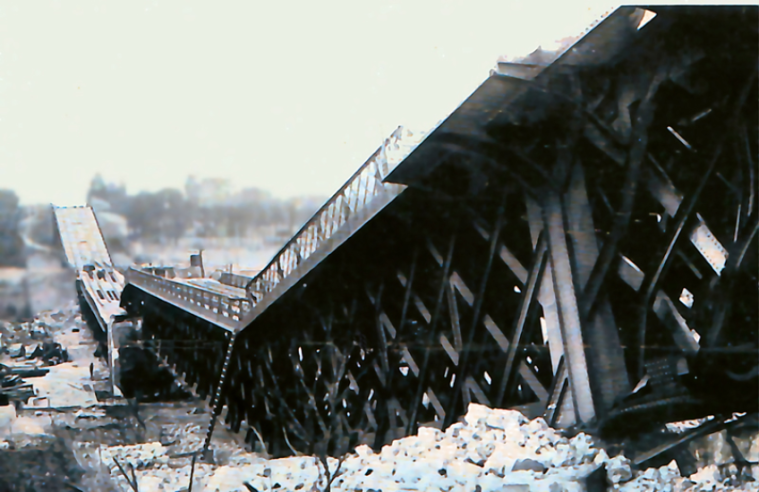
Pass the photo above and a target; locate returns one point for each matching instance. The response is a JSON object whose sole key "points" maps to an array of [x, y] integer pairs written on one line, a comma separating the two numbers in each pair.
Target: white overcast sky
{"points": [[288, 96]]}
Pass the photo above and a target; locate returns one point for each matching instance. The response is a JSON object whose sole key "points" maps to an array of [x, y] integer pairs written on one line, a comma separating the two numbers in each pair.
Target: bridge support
{"points": [[515, 260]]}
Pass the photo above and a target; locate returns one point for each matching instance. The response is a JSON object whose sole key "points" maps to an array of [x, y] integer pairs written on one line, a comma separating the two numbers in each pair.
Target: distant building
{"points": [[246, 196], [208, 192]]}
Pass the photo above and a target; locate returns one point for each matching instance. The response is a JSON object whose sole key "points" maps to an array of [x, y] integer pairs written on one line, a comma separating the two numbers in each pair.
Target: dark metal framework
{"points": [[540, 264], [192, 347], [586, 252]]}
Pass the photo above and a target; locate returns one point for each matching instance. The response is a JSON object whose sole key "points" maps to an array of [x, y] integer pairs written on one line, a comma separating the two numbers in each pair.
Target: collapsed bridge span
{"points": [[577, 240]]}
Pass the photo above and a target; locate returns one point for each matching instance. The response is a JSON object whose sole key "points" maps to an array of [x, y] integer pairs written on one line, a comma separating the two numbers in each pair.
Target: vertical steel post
{"points": [[569, 314]]}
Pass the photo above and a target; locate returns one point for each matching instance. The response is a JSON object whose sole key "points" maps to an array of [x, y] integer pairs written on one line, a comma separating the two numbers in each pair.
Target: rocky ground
{"points": [[66, 438], [491, 450]]}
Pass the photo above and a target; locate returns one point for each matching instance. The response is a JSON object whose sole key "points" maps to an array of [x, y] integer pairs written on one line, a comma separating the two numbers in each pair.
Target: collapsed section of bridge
{"points": [[577, 241], [98, 283]]}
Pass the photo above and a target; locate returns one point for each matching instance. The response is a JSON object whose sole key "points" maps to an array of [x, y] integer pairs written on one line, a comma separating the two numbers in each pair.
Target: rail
{"points": [[219, 309], [353, 197]]}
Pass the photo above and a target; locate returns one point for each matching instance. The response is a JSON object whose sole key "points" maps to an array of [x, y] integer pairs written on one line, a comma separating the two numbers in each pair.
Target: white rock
{"points": [[463, 473], [452, 431], [475, 413], [601, 457], [618, 470], [708, 474], [430, 434], [505, 419], [670, 472], [7, 418], [502, 458], [583, 448], [364, 451]]}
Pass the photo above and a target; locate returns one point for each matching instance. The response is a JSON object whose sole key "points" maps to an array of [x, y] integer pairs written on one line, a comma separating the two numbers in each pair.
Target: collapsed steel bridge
{"points": [[577, 240], [98, 283]]}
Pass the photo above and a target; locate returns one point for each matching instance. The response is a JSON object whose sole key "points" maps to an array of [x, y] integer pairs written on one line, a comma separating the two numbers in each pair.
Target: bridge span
{"points": [[577, 240], [98, 284]]}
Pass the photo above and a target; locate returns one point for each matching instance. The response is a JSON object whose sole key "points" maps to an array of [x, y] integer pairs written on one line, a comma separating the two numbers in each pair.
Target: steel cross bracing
{"points": [[519, 269], [192, 346], [578, 243], [222, 310], [354, 204]]}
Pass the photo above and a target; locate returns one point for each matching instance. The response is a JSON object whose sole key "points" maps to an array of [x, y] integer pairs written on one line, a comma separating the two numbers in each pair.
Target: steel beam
{"points": [[526, 303], [476, 309], [569, 315], [433, 323], [605, 357]]}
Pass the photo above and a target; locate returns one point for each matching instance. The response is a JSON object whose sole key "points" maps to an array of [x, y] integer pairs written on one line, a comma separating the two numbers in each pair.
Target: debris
{"points": [[50, 352], [516, 454], [20, 354], [90, 413]]}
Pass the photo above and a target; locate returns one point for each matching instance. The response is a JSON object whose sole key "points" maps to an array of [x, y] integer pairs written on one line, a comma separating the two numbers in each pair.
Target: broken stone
{"points": [[618, 470], [529, 464]]}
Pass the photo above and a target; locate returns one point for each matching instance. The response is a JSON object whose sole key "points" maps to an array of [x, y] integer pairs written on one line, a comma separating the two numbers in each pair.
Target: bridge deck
{"points": [[363, 196], [216, 287], [99, 284], [81, 237], [87, 253], [221, 306]]}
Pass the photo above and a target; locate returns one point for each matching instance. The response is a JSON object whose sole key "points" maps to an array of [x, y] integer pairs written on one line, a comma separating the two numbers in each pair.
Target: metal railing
{"points": [[222, 307], [352, 198], [235, 280]]}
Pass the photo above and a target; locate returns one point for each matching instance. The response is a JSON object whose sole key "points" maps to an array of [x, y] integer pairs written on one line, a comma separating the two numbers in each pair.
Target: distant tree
{"points": [[192, 189], [206, 208], [175, 216], [115, 195], [11, 244], [160, 215], [43, 227], [142, 215]]}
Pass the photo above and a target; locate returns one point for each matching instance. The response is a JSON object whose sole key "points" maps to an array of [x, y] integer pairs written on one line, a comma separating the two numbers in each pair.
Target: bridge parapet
{"points": [[235, 280], [353, 198], [221, 310]]}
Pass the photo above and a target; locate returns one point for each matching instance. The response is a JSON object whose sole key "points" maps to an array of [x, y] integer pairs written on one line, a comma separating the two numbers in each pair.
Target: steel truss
{"points": [[540, 266], [585, 253]]}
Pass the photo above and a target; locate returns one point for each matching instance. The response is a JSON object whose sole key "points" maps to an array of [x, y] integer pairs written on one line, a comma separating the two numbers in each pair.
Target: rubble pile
{"points": [[13, 387], [492, 450], [489, 450], [26, 348], [155, 466], [182, 438], [34, 340], [138, 455]]}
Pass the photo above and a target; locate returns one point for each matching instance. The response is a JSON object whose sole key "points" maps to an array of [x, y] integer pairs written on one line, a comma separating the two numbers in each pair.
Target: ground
{"points": [[61, 436], [66, 438]]}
